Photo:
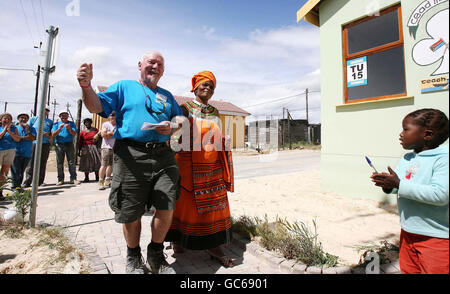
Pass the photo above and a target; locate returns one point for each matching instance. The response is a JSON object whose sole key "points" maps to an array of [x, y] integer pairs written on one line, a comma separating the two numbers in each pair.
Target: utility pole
{"points": [[68, 110], [289, 128], [282, 130], [6, 105], [78, 124], [38, 75], [54, 108], [48, 100], [48, 68], [307, 116]]}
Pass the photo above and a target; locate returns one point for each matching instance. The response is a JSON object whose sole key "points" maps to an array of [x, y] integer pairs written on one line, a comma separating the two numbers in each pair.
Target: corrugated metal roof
{"points": [[222, 106]]}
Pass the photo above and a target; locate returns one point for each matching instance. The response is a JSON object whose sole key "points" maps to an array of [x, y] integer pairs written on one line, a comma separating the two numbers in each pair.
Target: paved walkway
{"points": [[85, 212]]}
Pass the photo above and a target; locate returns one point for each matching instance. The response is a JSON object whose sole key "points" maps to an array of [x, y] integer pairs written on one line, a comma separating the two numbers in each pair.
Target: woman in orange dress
{"points": [[201, 218]]}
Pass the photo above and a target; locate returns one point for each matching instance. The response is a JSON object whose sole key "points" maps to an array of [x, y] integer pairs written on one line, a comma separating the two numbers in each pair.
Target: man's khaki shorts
{"points": [[142, 180], [107, 156], [7, 157]]}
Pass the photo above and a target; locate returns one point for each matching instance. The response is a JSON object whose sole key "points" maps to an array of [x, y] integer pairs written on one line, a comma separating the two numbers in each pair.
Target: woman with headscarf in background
{"points": [[90, 159], [201, 218]]}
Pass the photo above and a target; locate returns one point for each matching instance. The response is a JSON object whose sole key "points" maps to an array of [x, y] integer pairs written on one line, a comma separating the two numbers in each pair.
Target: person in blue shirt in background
{"points": [[145, 172], [24, 149], [45, 151], [9, 136], [64, 132]]}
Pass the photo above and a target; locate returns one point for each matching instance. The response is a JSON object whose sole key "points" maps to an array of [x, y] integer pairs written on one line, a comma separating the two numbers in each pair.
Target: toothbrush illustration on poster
{"points": [[435, 48]]}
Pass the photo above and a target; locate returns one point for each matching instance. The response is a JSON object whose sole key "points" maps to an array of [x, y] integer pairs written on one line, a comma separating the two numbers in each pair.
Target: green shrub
{"points": [[22, 201], [244, 226], [293, 241]]}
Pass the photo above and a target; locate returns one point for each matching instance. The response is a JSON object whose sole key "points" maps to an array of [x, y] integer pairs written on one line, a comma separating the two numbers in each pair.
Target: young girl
{"points": [[421, 181]]}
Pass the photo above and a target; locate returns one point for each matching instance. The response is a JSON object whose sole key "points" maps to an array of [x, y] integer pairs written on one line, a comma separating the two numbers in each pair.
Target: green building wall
{"points": [[351, 131]]}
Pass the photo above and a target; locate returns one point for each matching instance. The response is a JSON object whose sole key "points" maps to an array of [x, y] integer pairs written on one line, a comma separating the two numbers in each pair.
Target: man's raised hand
{"points": [[85, 75]]}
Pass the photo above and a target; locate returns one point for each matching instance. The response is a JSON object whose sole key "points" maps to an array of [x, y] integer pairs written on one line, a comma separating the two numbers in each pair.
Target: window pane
{"points": [[385, 76], [378, 31]]}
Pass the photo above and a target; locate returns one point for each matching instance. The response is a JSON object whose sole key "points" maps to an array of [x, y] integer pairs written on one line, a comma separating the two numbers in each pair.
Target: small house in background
{"points": [[232, 118], [97, 120], [380, 60]]}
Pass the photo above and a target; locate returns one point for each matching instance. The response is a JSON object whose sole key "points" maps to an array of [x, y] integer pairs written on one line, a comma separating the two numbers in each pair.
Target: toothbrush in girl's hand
{"points": [[371, 165]]}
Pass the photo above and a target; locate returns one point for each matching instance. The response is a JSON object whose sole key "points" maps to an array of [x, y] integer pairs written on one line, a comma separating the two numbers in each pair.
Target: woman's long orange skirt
{"points": [[193, 228]]}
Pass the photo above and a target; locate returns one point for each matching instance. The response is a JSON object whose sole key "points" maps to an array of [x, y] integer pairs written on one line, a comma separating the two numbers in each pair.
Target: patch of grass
{"points": [[293, 241], [54, 238], [306, 246], [386, 251], [245, 226], [13, 231]]}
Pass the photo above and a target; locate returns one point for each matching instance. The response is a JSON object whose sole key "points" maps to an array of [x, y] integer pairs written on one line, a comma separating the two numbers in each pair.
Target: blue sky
{"points": [[256, 49]]}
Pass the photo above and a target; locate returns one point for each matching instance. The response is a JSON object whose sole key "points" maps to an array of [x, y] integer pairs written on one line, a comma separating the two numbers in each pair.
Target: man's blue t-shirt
{"points": [[64, 135], [48, 123], [25, 147], [135, 104], [7, 141]]}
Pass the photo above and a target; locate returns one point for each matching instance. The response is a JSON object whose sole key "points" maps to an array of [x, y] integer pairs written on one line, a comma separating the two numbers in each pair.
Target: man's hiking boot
{"points": [[157, 262], [101, 185], [108, 183], [135, 265]]}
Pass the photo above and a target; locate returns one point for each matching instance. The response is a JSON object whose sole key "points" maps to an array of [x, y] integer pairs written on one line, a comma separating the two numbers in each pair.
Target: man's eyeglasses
{"points": [[149, 108]]}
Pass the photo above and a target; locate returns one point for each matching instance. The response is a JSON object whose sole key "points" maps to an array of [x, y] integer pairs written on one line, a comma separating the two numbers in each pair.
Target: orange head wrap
{"points": [[202, 77]]}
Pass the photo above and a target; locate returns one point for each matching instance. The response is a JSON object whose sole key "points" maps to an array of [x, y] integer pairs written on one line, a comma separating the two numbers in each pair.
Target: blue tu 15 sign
{"points": [[357, 72]]}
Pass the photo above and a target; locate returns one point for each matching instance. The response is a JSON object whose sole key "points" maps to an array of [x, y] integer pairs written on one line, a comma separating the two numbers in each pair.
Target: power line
{"points": [[59, 93], [18, 69], [290, 110], [42, 14], [279, 99], [284, 98], [26, 21], [35, 20], [16, 102], [309, 108]]}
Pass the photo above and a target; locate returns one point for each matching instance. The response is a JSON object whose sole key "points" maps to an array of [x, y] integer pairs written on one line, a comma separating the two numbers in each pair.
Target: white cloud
{"points": [[294, 46], [93, 54], [263, 66]]}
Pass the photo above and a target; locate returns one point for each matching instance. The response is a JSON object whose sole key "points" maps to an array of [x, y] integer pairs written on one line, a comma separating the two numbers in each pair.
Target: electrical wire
{"points": [[18, 69], [280, 99], [28, 25], [36, 19], [42, 14], [16, 102]]}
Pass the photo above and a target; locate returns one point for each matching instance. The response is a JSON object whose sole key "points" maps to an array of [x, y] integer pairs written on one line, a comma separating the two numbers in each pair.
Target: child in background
{"points": [[421, 181]]}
